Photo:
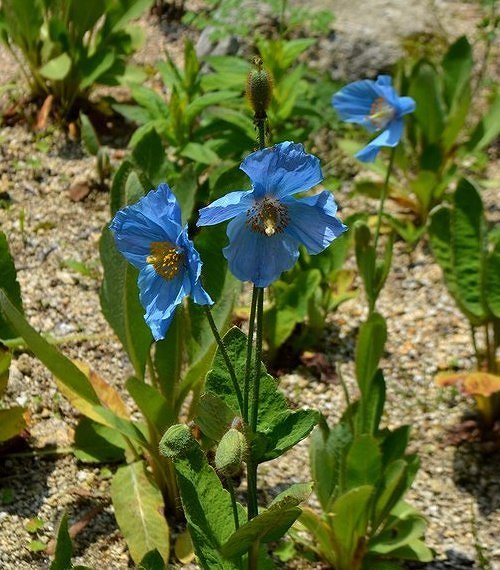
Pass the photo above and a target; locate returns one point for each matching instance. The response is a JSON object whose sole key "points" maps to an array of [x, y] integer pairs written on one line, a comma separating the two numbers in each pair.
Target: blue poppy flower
{"points": [[150, 235], [267, 223], [376, 106]]}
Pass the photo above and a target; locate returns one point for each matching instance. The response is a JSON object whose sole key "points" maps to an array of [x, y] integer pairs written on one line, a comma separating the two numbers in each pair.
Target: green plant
{"points": [[361, 473], [143, 486], [448, 129], [69, 47], [469, 256]]}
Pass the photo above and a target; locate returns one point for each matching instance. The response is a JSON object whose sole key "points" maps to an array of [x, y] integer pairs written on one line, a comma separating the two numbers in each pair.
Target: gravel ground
{"points": [[457, 487]]}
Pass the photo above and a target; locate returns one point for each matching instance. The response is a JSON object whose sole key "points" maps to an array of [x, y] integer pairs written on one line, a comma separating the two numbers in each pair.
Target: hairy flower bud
{"points": [[259, 87], [177, 441], [231, 452]]}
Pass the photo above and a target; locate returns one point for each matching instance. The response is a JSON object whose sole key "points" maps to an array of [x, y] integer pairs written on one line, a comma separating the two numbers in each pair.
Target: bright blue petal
{"points": [[161, 207], [225, 208], [282, 170], [193, 262], [133, 235], [354, 102], [405, 105], [390, 137], [384, 80], [313, 221], [258, 258], [159, 298]]}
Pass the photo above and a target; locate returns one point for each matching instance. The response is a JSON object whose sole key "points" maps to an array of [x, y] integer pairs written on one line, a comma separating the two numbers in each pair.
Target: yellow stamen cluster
{"points": [[268, 217], [165, 258], [381, 113]]}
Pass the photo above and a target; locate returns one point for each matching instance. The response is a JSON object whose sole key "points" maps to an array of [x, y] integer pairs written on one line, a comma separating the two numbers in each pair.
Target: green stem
{"points": [[258, 360], [234, 504], [261, 129], [253, 507], [384, 196], [225, 355], [474, 344], [248, 365], [152, 373]]}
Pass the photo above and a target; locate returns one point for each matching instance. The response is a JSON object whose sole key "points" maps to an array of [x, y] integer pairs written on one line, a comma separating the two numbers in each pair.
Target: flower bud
{"points": [[177, 441], [259, 87], [231, 452]]}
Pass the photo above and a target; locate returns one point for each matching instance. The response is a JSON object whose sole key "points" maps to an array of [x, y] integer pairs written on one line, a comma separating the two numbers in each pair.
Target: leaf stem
{"points": [[225, 355], [234, 504], [384, 196]]}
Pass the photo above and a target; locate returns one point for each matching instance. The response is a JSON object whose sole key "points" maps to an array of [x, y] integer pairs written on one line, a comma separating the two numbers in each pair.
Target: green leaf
{"points": [[138, 506], [365, 259], [118, 195], [56, 69], [96, 443], [152, 404], [214, 417], [425, 90], [151, 101], [274, 417], [351, 513], [9, 285], [185, 190], [64, 548], [487, 129], [327, 458], [149, 155], [207, 507], [457, 68], [363, 462], [5, 360], [492, 280], [12, 422], [200, 153], [89, 136], [120, 303], [208, 99], [270, 524], [152, 561], [391, 490], [371, 406], [468, 245], [56, 362], [95, 67], [369, 350]]}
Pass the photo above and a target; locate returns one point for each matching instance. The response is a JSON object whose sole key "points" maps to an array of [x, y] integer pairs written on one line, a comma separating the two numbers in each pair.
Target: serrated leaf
{"points": [[269, 525], [213, 417], [468, 244], [207, 507], [138, 506]]}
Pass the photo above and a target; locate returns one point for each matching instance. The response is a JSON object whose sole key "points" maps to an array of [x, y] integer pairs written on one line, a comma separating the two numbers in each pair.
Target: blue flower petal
{"points": [[354, 102], [161, 207], [282, 170], [257, 258], [313, 221], [193, 264], [390, 137], [134, 233], [159, 298], [225, 208], [406, 105]]}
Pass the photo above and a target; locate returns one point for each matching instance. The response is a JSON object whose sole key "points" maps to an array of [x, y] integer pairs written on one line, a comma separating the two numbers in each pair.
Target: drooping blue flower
{"points": [[376, 106], [150, 235], [267, 223]]}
